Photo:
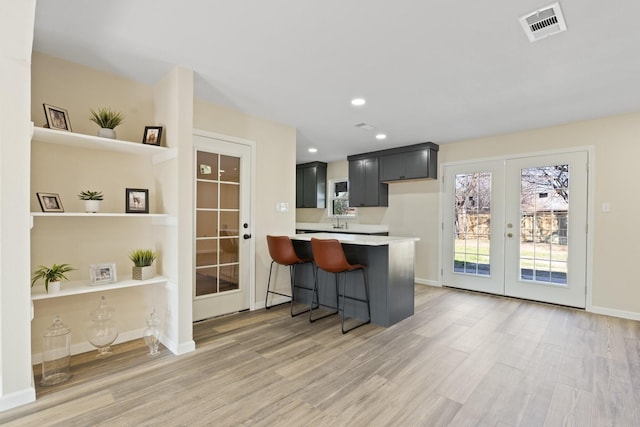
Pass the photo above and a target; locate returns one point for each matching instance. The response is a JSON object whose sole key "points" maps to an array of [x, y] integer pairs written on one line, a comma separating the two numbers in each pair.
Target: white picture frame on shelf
{"points": [[103, 274]]}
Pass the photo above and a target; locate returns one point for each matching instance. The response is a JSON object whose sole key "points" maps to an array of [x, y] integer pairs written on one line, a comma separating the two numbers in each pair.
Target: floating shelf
{"points": [[84, 287], [79, 140], [98, 214]]}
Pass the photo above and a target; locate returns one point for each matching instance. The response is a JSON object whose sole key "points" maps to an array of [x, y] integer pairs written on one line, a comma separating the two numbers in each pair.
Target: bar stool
{"points": [[282, 253], [329, 256]]}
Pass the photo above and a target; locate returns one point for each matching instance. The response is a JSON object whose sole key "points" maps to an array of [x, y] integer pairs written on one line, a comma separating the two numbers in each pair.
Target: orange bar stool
{"points": [[282, 253], [329, 257]]}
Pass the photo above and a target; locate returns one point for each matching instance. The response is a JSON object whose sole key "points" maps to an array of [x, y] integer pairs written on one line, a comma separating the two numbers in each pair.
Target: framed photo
{"points": [[137, 200], [50, 202], [152, 135], [101, 274], [57, 118]]}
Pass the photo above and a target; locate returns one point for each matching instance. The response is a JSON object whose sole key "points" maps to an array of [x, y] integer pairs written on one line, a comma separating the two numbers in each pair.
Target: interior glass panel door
{"points": [[220, 186]]}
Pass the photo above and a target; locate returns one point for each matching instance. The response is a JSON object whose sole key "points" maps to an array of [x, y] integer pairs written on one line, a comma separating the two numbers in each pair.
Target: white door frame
{"points": [[252, 208], [590, 206]]}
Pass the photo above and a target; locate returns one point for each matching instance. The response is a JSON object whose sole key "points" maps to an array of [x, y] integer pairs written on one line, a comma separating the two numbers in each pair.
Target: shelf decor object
{"points": [[152, 135], [137, 200], [103, 274], [92, 200], [56, 353], [50, 202], [107, 119], [57, 118], [152, 333], [102, 332], [143, 268], [52, 276]]}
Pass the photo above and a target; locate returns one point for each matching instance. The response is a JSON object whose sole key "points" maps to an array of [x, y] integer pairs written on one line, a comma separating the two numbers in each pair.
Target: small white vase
{"points": [[92, 206], [143, 273], [54, 287], [107, 133]]}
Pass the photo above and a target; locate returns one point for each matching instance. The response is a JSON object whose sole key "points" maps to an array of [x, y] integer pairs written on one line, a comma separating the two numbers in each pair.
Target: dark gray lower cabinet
{"points": [[365, 188], [311, 185]]}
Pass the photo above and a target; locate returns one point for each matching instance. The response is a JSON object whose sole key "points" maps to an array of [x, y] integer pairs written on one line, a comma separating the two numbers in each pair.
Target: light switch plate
{"points": [[282, 207]]}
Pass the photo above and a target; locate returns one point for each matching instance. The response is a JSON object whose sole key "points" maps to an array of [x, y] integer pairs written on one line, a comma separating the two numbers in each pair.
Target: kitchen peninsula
{"points": [[390, 273]]}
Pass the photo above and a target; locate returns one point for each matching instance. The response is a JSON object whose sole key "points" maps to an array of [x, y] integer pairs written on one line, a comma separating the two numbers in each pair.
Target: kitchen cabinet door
{"points": [[364, 183]]}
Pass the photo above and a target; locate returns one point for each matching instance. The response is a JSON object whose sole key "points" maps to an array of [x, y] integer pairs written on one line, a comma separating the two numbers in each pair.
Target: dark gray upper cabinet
{"points": [[365, 188], [311, 185], [419, 161]]}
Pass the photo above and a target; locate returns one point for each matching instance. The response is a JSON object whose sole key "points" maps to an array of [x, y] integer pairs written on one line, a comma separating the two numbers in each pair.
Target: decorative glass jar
{"points": [[152, 333], [56, 353], [103, 331]]}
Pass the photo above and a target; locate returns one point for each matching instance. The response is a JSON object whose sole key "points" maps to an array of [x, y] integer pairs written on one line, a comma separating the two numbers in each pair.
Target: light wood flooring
{"points": [[464, 359]]}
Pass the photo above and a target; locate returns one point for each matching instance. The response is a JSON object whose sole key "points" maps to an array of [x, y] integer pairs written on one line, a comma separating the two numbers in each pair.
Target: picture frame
{"points": [[50, 202], [152, 135], [137, 200], [57, 118], [103, 274]]}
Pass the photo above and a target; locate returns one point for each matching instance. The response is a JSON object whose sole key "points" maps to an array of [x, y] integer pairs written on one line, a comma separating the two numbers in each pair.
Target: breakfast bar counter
{"points": [[390, 274]]}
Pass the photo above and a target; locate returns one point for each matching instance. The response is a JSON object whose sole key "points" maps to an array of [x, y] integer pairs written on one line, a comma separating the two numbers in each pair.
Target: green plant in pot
{"points": [[143, 268], [92, 200], [107, 119], [52, 276]]}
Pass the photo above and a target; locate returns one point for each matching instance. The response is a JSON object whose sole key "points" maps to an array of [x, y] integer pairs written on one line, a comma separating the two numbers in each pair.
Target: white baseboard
{"points": [[17, 398], [614, 313], [427, 282]]}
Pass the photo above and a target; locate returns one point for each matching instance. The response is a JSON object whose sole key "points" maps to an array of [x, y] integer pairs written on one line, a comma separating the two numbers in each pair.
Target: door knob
{"points": [[508, 234], [246, 236]]}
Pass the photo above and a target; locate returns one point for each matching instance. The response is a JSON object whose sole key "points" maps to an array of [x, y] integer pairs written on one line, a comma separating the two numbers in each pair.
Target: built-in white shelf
{"points": [[156, 219], [78, 287], [79, 140], [98, 214]]}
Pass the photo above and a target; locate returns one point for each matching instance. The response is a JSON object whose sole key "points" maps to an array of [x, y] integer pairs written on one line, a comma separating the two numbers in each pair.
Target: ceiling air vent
{"points": [[543, 22]]}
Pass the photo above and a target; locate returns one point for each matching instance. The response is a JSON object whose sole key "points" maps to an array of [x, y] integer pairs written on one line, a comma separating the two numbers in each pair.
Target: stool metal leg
{"points": [[266, 300], [344, 297], [315, 295]]}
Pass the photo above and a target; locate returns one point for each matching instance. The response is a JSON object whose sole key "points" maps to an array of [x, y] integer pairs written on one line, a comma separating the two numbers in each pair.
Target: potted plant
{"points": [[91, 200], [52, 276], [142, 261], [107, 119]]}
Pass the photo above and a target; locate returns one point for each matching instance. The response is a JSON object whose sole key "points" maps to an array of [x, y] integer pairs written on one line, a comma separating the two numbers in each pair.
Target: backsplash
{"points": [[365, 216]]}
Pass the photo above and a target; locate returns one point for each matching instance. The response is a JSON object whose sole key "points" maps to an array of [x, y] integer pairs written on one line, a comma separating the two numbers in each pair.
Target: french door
{"points": [[222, 172], [518, 227]]}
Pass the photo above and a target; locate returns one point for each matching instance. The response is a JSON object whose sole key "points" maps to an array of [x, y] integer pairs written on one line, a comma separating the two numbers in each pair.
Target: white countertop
{"points": [[356, 239], [356, 228]]}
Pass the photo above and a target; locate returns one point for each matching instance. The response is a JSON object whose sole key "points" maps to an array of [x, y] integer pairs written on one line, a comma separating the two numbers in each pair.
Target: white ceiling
{"points": [[431, 70]]}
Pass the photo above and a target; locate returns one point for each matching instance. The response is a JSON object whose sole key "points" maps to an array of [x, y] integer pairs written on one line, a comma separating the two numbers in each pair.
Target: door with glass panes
{"points": [[222, 233], [518, 227]]}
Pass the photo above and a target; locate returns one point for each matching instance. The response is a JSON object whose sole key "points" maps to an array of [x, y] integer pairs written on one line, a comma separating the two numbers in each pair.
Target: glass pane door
{"points": [[545, 249], [222, 200], [472, 244]]}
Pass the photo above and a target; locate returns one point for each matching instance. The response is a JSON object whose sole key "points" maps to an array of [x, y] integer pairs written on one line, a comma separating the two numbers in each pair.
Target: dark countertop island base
{"points": [[390, 275]]}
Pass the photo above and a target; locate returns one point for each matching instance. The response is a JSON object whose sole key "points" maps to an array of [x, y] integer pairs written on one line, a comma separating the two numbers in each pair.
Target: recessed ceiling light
{"points": [[313, 150], [358, 102], [381, 136]]}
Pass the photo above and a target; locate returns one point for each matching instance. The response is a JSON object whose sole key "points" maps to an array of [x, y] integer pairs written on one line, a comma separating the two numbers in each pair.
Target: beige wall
{"points": [[275, 178], [77, 88]]}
